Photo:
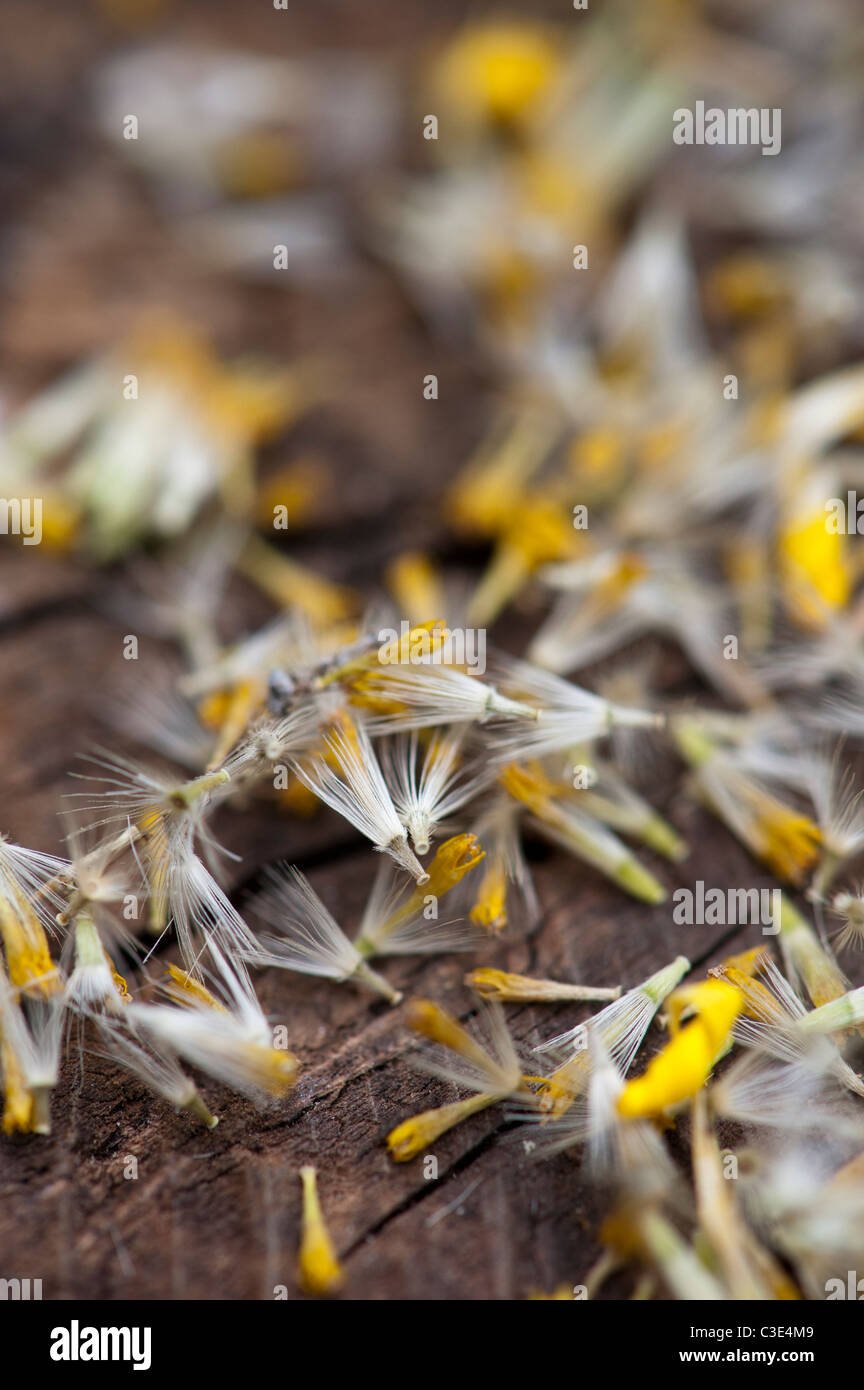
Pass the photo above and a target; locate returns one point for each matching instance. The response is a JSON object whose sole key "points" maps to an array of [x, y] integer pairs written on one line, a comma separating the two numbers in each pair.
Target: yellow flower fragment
{"points": [[496, 73], [774, 1020], [814, 562], [501, 984], [580, 833], [504, 889], [188, 990], [747, 285], [318, 1269], [432, 1022], [807, 959], [17, 1097], [451, 862], [232, 1042], [365, 677], [410, 1138], [244, 401], [759, 1003], [619, 1028], [487, 494], [686, 1062], [257, 163], [293, 585], [291, 493], [417, 643], [416, 585], [489, 910], [230, 712], [493, 1073], [28, 957], [29, 1056], [540, 534], [62, 521], [784, 838]]}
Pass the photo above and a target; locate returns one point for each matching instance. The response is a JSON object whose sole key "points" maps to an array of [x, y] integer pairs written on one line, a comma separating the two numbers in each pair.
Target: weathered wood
{"points": [[216, 1215]]}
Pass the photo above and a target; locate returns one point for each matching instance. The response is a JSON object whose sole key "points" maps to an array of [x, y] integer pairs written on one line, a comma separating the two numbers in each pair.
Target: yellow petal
{"points": [[319, 1270], [410, 1138], [685, 1064]]}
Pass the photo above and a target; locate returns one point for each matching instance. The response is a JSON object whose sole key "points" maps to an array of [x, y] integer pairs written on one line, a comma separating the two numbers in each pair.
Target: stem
{"points": [[500, 705], [365, 975], [196, 1107], [695, 746], [199, 786], [685, 1274], [504, 576], [41, 1109], [402, 852]]}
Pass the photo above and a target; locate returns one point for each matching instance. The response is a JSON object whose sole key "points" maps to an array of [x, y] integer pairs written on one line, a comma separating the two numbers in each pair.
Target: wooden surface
{"points": [[215, 1215]]}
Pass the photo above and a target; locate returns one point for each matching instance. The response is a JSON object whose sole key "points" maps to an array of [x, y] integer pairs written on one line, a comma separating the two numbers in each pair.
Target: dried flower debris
{"points": [[669, 462]]}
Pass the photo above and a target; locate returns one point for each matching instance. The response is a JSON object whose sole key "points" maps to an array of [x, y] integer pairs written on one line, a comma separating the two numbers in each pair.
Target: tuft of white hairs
{"points": [[359, 793]]}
